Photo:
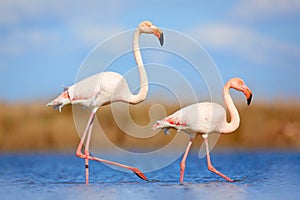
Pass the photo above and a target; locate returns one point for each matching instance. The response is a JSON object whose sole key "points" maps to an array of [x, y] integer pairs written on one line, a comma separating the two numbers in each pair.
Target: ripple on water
{"points": [[261, 175]]}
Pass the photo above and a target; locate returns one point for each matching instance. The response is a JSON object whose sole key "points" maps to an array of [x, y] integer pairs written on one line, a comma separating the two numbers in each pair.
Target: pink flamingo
{"points": [[105, 88], [205, 118]]}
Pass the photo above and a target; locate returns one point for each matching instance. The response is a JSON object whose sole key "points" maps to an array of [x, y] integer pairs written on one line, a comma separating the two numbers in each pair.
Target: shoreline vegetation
{"points": [[35, 127]]}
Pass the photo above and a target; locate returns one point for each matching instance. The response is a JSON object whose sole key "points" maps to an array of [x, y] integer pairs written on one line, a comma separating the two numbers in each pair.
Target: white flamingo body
{"points": [[201, 118], [105, 88], [99, 89], [205, 118]]}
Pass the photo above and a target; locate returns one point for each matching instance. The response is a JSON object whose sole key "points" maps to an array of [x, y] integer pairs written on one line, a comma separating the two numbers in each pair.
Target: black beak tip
{"points": [[161, 39], [249, 100]]}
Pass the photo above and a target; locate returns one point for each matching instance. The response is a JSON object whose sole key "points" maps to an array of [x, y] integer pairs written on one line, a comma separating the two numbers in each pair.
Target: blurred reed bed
{"points": [[35, 127]]}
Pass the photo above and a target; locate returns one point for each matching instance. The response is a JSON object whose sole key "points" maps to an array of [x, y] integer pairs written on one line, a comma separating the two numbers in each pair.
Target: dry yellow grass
{"points": [[33, 127]]}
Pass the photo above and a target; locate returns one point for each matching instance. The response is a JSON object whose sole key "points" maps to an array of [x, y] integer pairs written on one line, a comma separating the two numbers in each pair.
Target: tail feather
{"points": [[60, 101], [165, 124], [159, 125]]}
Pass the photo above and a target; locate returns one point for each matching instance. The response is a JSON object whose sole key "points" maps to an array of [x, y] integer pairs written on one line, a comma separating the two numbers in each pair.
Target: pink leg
{"points": [[209, 165], [87, 156], [182, 163], [88, 130], [133, 169]]}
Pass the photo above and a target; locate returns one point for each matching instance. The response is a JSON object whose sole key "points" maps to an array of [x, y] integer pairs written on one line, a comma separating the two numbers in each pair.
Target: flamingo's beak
{"points": [[249, 100], [248, 94], [160, 35]]}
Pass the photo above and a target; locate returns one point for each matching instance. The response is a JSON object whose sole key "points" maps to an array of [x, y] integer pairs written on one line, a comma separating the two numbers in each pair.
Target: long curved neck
{"points": [[137, 98], [234, 123]]}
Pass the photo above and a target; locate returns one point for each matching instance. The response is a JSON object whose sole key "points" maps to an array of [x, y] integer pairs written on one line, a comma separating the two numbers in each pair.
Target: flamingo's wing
{"points": [[215, 123], [99, 89], [203, 118]]}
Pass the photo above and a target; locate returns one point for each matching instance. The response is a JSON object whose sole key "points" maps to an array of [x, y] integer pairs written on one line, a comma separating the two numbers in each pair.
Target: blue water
{"points": [[259, 175]]}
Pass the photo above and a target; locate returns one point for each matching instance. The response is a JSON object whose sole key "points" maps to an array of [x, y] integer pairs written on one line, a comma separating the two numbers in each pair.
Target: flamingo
{"points": [[105, 88], [205, 118]]}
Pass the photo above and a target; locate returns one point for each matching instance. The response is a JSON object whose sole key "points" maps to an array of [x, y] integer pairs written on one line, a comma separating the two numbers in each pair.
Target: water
{"points": [[259, 175]]}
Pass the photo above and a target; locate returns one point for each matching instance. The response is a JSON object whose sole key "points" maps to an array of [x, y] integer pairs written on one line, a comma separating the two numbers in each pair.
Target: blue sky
{"points": [[43, 43]]}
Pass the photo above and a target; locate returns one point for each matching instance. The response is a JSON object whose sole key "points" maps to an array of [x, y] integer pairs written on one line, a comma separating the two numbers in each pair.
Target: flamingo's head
{"points": [[240, 85], [149, 28]]}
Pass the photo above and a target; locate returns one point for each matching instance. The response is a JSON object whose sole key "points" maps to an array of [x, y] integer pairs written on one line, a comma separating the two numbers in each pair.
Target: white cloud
{"points": [[92, 34], [236, 36], [28, 25], [19, 41], [18, 11], [244, 42], [259, 9]]}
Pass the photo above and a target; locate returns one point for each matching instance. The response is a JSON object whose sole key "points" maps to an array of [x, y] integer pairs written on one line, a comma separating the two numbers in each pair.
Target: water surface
{"points": [[258, 175]]}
